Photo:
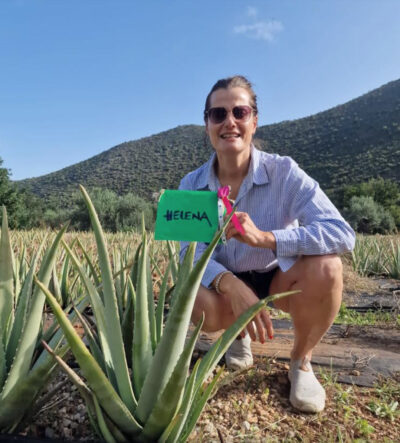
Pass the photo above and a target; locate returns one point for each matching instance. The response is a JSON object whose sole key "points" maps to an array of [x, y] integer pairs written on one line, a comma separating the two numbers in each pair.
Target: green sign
{"points": [[187, 216]]}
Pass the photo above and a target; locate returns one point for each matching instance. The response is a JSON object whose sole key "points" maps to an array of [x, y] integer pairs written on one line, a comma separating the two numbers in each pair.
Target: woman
{"points": [[292, 235]]}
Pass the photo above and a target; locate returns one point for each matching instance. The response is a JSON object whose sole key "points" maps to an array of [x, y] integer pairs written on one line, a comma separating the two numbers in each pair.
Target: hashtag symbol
{"points": [[168, 215]]}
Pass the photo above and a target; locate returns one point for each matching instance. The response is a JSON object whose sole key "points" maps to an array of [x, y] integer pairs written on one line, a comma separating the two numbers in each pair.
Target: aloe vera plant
{"points": [[157, 400], [24, 365]]}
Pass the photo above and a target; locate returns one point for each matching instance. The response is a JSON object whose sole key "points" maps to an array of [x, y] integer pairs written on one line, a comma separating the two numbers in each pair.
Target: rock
{"points": [[252, 419], [246, 425], [209, 428]]}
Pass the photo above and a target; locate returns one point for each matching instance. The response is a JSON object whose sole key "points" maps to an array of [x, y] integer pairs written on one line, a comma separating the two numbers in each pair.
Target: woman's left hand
{"points": [[252, 235]]}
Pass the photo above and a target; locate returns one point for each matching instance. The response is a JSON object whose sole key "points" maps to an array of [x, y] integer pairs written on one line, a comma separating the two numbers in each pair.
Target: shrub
{"points": [[368, 217]]}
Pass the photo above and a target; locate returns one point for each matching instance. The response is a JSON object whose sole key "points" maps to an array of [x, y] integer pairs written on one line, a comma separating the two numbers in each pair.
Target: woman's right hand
{"points": [[242, 298]]}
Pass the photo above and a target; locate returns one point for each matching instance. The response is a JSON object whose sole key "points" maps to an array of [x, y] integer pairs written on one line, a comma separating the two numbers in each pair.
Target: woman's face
{"points": [[231, 136]]}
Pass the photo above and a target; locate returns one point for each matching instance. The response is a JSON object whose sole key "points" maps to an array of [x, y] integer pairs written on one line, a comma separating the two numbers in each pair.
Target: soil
{"points": [[358, 366]]}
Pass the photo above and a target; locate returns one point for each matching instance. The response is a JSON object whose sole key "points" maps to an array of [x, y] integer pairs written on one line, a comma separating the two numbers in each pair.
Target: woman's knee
{"points": [[216, 308], [323, 269]]}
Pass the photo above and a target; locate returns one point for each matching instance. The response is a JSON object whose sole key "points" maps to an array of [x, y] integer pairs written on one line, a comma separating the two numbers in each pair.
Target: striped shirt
{"points": [[280, 198]]}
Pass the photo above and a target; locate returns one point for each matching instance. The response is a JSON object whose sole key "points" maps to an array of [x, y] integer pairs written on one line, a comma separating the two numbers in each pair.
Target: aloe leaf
{"points": [[113, 326], [21, 311], [156, 268], [173, 338], [55, 285], [30, 333], [135, 265], [129, 318], [105, 432], [92, 404], [64, 280], [161, 302], [150, 304], [73, 376], [98, 382], [198, 407], [15, 406], [173, 260], [171, 433], [111, 427], [184, 270], [99, 313], [84, 390], [22, 264], [90, 264], [57, 337], [6, 279], [16, 270], [169, 400], [116, 259], [93, 345], [142, 349], [3, 368]]}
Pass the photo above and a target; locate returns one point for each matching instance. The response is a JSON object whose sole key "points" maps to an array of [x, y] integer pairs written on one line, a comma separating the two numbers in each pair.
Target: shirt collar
{"points": [[257, 174]]}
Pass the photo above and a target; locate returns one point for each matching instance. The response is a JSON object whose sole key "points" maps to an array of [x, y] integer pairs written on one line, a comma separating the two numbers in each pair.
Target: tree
{"points": [[9, 196], [116, 213]]}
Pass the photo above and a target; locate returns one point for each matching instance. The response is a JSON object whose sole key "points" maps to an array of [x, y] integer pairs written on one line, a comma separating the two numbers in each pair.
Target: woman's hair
{"points": [[238, 81]]}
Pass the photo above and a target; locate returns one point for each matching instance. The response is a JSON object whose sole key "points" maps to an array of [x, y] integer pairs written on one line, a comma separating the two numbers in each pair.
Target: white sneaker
{"points": [[306, 392], [238, 355]]}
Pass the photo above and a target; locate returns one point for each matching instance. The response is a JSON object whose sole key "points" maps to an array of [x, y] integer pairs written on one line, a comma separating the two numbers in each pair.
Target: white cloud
{"points": [[261, 30], [251, 11]]}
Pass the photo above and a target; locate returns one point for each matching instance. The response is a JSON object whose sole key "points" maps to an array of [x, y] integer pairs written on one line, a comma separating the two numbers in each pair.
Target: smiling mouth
{"points": [[230, 136]]}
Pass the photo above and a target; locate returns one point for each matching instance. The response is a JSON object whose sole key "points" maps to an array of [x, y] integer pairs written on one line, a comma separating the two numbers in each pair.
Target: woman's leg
{"points": [[216, 307], [219, 315], [313, 311], [320, 280]]}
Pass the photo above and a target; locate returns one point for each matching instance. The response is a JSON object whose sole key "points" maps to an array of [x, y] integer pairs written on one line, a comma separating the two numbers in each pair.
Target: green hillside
{"points": [[346, 144]]}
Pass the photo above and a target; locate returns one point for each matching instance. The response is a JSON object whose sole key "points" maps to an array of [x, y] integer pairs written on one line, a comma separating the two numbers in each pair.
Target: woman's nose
{"points": [[230, 119]]}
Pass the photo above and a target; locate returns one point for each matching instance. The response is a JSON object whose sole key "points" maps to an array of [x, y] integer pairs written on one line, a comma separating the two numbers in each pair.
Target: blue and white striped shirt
{"points": [[280, 198]]}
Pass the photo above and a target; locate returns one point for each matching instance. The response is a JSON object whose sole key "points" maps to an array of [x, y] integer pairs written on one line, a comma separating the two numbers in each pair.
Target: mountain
{"points": [[349, 143]]}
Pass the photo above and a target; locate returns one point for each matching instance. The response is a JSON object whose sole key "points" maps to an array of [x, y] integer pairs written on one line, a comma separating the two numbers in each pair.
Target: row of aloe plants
{"points": [[377, 256], [25, 367], [135, 369]]}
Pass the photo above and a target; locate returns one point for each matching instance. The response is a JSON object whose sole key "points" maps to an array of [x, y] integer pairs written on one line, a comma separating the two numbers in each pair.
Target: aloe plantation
{"points": [[132, 300]]}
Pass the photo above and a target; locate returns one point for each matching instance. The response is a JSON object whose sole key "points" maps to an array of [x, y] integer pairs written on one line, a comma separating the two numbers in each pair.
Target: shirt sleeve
{"points": [[213, 267], [321, 229]]}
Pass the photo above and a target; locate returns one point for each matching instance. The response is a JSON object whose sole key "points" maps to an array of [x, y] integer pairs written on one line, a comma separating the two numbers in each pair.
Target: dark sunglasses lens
{"points": [[217, 115], [241, 112]]}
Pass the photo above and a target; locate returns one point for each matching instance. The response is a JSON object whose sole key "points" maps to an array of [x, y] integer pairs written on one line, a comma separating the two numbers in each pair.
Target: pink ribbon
{"points": [[223, 194]]}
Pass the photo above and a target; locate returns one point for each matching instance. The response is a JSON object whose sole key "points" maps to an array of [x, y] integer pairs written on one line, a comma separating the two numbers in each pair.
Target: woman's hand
{"points": [[252, 235], [241, 298]]}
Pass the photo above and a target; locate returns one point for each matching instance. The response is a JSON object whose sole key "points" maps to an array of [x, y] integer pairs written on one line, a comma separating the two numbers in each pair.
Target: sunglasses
{"points": [[240, 113]]}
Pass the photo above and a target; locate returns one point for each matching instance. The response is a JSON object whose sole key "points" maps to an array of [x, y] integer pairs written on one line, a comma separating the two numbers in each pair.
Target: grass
{"points": [[369, 318]]}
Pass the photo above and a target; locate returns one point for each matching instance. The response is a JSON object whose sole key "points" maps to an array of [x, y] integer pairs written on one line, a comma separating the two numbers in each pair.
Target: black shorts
{"points": [[258, 281]]}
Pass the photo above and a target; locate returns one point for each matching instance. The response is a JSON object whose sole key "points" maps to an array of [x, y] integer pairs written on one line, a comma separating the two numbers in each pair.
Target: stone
{"points": [[246, 425]]}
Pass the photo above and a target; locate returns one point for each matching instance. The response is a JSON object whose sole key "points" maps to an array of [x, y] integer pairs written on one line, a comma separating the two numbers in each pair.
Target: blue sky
{"points": [[78, 77]]}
